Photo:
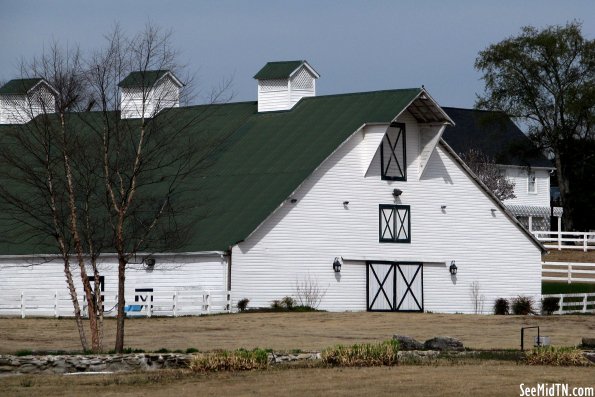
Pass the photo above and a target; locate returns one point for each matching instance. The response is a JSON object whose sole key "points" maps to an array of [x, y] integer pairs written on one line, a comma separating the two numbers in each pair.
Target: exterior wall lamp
{"points": [[397, 192], [453, 268], [337, 265], [150, 262]]}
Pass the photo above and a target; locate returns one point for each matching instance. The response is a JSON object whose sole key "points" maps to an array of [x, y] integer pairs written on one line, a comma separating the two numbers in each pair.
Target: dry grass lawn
{"points": [[287, 331], [569, 256], [482, 379]]}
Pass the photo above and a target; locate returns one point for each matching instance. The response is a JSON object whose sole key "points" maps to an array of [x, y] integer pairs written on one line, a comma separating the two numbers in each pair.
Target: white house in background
{"points": [[21, 100], [146, 93], [355, 194], [497, 136]]}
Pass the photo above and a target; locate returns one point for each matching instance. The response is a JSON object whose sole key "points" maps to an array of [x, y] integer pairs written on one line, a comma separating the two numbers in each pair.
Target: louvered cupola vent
{"points": [[144, 94], [282, 84], [22, 100]]}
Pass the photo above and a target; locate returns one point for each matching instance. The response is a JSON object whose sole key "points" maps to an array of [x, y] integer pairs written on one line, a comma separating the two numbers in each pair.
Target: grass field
{"points": [[481, 379], [569, 256], [287, 331], [306, 331]]}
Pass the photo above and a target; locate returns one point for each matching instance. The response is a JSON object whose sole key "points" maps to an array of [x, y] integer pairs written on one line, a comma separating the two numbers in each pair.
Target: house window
{"points": [[395, 224], [532, 183], [392, 153]]}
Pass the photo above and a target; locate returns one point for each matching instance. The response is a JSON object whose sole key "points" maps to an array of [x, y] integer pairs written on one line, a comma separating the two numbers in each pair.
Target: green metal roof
{"points": [[262, 159], [19, 86], [142, 79], [277, 70]]}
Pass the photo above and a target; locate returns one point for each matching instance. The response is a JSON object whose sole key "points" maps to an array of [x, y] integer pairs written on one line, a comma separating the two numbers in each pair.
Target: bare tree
{"points": [[109, 182], [489, 173]]}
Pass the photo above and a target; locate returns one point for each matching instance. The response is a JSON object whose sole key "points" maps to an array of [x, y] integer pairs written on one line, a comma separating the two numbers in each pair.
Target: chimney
{"points": [[21, 100], [282, 84], [143, 94]]}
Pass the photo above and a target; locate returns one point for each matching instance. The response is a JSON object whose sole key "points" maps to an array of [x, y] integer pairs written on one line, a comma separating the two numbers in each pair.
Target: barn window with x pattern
{"points": [[395, 223], [392, 153]]}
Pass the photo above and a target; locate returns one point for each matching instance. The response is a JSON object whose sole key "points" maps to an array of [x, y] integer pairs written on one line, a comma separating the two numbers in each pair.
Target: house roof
{"points": [[19, 86], [494, 134], [146, 78], [281, 70]]}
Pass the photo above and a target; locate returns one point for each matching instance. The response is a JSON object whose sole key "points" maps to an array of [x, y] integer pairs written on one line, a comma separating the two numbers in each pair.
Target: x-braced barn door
{"points": [[395, 286]]}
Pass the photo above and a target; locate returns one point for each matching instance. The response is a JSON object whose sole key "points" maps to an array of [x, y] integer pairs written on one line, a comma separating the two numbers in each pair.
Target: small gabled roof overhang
{"points": [[283, 70], [24, 86], [426, 110], [147, 78]]}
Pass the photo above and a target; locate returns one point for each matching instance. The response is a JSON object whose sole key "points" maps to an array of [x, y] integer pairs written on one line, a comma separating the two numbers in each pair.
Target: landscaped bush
{"points": [[501, 306], [522, 305], [288, 302], [237, 360], [549, 305], [243, 304], [560, 356], [362, 355]]}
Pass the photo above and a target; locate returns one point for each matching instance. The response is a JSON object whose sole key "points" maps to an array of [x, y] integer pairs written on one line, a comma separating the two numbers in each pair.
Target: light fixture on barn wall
{"points": [[397, 192], [293, 200], [150, 262], [337, 265], [346, 203], [453, 268]]}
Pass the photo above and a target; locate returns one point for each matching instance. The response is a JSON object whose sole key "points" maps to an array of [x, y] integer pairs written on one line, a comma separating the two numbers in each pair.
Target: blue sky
{"points": [[354, 45]]}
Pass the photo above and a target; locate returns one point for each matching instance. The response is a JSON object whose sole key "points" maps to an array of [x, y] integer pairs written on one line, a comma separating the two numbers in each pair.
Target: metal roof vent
{"points": [[282, 84], [144, 94], [22, 100]]}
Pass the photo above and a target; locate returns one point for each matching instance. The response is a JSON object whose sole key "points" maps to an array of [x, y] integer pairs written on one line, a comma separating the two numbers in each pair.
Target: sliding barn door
{"points": [[395, 286]]}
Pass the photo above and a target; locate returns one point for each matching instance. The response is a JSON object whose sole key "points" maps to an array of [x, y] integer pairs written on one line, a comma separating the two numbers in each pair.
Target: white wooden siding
{"points": [[299, 241], [147, 102], [20, 109], [170, 273], [519, 175], [283, 94]]}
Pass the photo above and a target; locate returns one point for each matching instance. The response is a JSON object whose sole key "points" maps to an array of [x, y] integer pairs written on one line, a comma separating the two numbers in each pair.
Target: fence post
{"points": [[585, 242], [584, 303], [56, 304], [229, 301], [208, 302], [569, 273], [175, 303], [22, 304], [150, 304], [561, 304]]}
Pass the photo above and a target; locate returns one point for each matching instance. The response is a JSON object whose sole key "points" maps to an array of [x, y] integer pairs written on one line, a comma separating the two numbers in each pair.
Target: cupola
{"points": [[143, 94], [282, 84], [21, 100]]}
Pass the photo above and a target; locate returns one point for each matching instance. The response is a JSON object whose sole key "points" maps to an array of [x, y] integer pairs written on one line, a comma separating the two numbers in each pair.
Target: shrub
{"points": [[362, 355], [559, 356], [237, 360], [288, 302], [276, 305], [191, 350], [522, 305], [501, 306], [549, 305], [243, 304]]}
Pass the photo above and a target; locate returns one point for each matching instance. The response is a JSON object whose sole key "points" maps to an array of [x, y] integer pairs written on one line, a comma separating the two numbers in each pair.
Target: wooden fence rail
{"points": [[566, 240], [161, 303], [568, 272], [574, 303]]}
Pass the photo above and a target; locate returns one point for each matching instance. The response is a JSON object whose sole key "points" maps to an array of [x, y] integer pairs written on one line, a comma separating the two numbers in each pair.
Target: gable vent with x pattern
{"points": [[392, 153]]}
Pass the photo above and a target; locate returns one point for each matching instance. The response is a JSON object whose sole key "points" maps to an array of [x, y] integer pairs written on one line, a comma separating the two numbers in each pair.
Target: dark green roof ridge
{"points": [[19, 86], [146, 78], [277, 70]]}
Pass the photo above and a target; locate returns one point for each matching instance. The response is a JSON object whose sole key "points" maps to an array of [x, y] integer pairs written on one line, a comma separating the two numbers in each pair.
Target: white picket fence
{"points": [[566, 240], [160, 303], [574, 303], [568, 272]]}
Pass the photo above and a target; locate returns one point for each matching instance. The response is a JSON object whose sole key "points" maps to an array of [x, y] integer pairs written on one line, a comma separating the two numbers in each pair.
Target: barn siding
{"points": [[299, 241], [36, 276]]}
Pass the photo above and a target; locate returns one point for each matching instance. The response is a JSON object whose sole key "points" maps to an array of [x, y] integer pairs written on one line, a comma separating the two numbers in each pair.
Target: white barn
{"points": [[356, 194]]}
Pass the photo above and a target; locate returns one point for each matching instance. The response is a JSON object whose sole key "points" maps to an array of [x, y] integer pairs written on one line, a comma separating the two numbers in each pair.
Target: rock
{"points": [[590, 357], [444, 343], [408, 343], [589, 342]]}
